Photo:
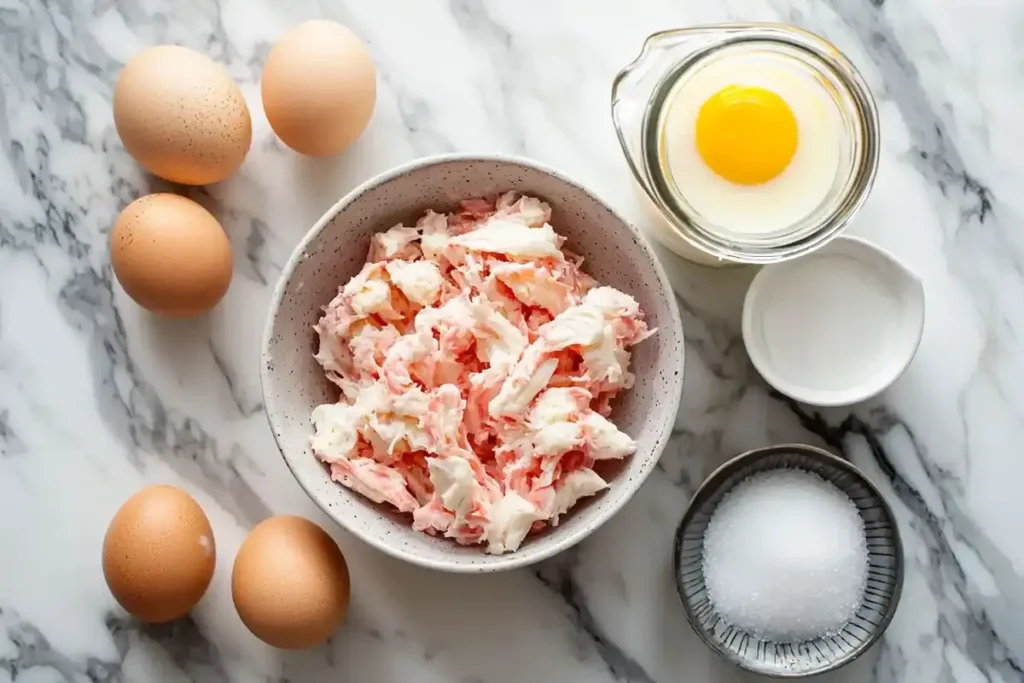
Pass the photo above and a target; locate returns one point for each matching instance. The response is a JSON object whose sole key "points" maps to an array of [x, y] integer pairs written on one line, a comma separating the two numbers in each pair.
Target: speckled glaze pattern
{"points": [[335, 249]]}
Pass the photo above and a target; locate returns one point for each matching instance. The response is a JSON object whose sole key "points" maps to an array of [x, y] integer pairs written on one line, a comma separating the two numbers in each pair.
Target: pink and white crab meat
{"points": [[476, 363]]}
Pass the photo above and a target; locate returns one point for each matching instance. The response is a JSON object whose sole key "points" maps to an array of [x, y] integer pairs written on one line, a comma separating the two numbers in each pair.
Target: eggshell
{"points": [[181, 116], [319, 88], [290, 583], [159, 554], [171, 255]]}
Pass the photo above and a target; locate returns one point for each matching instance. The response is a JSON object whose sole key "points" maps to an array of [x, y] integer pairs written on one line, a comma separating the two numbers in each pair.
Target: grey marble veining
{"points": [[98, 398]]}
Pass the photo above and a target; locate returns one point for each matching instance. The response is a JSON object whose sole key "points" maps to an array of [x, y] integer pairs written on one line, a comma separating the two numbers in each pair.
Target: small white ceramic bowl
{"points": [[335, 249], [837, 326]]}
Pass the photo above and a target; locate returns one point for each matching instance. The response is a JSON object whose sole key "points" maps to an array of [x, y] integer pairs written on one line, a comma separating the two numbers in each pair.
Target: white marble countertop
{"points": [[98, 398]]}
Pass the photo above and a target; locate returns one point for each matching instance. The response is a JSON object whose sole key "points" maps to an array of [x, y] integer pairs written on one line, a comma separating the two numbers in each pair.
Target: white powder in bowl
{"points": [[785, 556]]}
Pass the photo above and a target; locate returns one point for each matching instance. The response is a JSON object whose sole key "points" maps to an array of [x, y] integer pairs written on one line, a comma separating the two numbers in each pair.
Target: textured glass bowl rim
{"points": [[865, 167]]}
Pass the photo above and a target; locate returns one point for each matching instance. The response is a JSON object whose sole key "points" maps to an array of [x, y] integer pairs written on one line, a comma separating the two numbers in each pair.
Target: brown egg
{"points": [[319, 88], [181, 116], [171, 255], [159, 554], [290, 583]]}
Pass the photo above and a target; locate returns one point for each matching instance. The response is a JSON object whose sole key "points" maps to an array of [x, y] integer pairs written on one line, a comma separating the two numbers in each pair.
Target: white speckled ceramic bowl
{"points": [[335, 249]]}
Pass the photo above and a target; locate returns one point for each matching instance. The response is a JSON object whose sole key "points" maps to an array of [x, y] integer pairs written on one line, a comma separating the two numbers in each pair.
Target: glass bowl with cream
{"points": [[752, 143]]}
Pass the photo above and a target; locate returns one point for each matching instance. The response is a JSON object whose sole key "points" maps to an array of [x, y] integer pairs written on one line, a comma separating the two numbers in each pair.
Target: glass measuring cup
{"points": [[641, 97]]}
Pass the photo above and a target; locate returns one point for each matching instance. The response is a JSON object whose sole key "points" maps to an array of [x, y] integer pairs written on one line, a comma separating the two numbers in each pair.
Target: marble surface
{"points": [[98, 398]]}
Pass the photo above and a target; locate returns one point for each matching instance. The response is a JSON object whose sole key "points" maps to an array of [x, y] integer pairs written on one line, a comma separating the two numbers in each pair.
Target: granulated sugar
{"points": [[785, 556]]}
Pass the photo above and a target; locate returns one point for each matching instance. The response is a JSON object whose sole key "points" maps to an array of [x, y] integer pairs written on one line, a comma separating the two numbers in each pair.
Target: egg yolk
{"points": [[746, 134]]}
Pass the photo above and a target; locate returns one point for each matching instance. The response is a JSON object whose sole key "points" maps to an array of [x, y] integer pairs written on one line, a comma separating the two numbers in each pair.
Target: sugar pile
{"points": [[785, 556]]}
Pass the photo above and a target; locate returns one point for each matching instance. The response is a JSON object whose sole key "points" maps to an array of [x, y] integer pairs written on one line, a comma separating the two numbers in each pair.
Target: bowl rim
{"points": [[511, 560], [866, 251], [713, 481]]}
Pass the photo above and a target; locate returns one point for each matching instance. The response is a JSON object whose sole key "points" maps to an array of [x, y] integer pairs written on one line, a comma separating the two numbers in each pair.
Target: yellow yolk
{"points": [[746, 134]]}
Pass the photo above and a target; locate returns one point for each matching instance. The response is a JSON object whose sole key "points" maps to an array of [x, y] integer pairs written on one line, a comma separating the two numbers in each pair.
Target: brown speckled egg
{"points": [[181, 116], [319, 88], [171, 255], [159, 554], [290, 583]]}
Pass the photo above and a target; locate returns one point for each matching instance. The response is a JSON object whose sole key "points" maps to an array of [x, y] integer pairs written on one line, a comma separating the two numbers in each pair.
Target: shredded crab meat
{"points": [[476, 364]]}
